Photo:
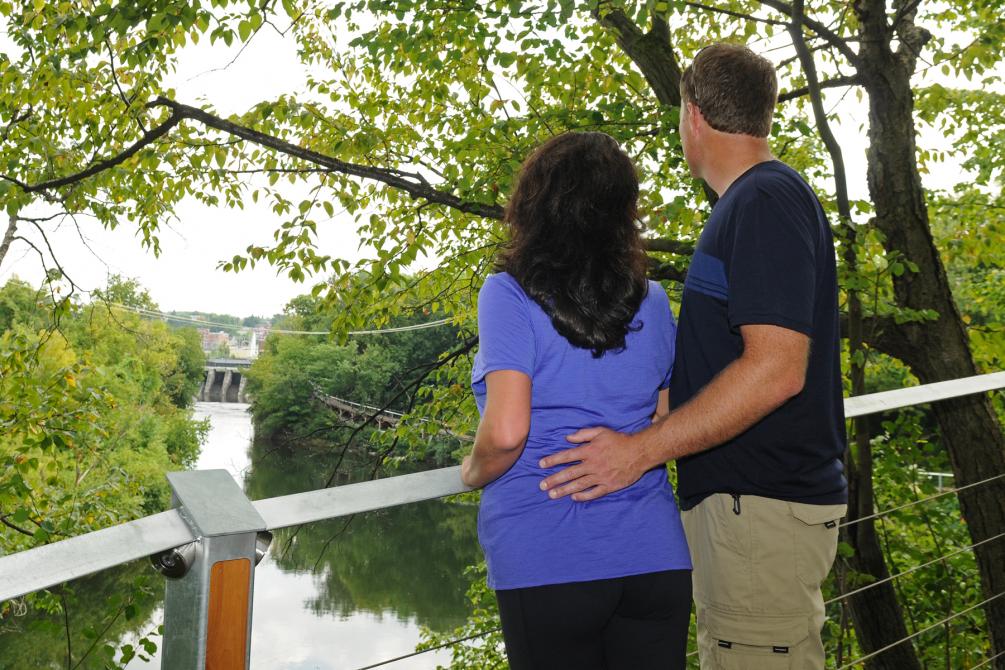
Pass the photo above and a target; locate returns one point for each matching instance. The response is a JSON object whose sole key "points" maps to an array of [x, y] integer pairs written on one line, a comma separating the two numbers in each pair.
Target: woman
{"points": [[572, 334]]}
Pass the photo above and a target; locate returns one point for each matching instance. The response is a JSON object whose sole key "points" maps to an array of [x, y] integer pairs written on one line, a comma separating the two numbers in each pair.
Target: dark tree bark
{"points": [[650, 51], [8, 237], [935, 350], [876, 612]]}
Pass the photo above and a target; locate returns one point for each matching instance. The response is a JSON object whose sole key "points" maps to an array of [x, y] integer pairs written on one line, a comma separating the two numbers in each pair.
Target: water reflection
{"points": [[346, 593], [103, 607], [406, 561]]}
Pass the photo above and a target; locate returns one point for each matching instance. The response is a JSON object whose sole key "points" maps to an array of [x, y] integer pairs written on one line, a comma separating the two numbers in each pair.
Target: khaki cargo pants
{"points": [[758, 566]]}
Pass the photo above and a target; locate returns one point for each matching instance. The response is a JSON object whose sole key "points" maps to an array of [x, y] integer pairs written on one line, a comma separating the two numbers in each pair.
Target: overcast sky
{"points": [[185, 276]]}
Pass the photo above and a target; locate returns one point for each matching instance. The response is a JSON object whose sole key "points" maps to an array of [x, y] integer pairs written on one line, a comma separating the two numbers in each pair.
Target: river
{"points": [[331, 596], [374, 585]]}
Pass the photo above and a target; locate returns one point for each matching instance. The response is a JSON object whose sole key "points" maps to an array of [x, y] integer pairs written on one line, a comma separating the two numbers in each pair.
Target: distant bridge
{"points": [[225, 380], [381, 418]]}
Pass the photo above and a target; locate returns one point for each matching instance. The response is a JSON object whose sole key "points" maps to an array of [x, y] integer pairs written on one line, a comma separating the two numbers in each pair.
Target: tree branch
{"points": [[659, 270], [55, 260], [737, 15], [148, 137], [912, 36], [415, 185], [13, 526], [820, 29], [836, 82], [795, 29], [908, 9], [16, 119], [128, 101], [670, 246], [884, 334], [66, 626], [651, 52]]}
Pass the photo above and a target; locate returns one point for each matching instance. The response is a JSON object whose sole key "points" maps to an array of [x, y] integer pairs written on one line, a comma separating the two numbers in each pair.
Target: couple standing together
{"points": [[585, 546]]}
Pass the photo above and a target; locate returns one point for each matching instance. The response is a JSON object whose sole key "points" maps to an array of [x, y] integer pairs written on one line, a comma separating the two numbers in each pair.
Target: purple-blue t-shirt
{"points": [[528, 538]]}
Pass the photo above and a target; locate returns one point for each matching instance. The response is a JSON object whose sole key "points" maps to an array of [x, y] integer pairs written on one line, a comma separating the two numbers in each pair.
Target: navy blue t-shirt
{"points": [[766, 256]]}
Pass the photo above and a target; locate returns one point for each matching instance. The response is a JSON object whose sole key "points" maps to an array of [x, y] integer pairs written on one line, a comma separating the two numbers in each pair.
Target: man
{"points": [[758, 424]]}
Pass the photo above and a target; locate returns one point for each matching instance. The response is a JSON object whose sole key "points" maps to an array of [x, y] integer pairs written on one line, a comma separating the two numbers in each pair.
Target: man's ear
{"points": [[694, 118]]}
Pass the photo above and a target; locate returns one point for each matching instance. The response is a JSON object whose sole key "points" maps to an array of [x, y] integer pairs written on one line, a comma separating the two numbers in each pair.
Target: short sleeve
{"points": [[505, 335], [772, 268], [667, 331]]}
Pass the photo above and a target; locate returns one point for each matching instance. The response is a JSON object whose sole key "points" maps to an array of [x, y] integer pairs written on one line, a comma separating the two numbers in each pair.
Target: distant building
{"points": [[245, 344], [261, 332], [211, 341], [258, 336], [242, 350]]}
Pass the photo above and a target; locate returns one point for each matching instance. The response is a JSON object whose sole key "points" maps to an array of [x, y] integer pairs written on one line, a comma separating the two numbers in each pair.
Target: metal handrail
{"points": [[874, 403], [66, 560], [51, 564]]}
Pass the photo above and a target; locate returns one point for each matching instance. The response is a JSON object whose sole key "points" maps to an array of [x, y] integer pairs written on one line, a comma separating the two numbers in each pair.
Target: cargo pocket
{"points": [[753, 642], [816, 539]]}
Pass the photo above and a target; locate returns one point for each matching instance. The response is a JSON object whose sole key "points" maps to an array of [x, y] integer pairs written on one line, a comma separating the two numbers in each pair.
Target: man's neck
{"points": [[732, 155]]}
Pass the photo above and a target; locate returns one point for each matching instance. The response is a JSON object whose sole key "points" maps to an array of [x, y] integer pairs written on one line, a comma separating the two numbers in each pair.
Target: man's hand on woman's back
{"points": [[606, 461]]}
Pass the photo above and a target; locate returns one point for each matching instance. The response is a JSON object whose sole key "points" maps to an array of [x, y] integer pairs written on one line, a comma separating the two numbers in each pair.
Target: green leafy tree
{"points": [[92, 415], [126, 292], [417, 114], [385, 372]]}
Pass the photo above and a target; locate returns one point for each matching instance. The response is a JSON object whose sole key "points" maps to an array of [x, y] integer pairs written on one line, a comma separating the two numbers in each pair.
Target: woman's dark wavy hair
{"points": [[575, 247]]}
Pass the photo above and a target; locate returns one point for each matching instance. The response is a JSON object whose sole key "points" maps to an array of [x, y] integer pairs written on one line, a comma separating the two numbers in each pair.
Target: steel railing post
{"points": [[210, 585]]}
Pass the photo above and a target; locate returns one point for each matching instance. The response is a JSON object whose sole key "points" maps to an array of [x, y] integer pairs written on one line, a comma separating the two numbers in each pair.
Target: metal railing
{"points": [[211, 540]]}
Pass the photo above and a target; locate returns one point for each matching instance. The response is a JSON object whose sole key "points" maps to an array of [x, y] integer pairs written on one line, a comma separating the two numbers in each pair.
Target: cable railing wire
{"points": [[914, 569], [947, 492], [447, 645], [862, 659], [843, 596], [986, 661], [452, 643], [155, 314], [413, 654]]}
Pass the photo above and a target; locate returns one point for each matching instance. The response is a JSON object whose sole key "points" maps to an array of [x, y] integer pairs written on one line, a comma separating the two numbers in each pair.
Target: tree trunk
{"points": [[876, 613], [934, 350], [8, 238]]}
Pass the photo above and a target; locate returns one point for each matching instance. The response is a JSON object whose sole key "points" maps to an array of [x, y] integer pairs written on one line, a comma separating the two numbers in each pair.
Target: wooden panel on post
{"points": [[229, 603]]}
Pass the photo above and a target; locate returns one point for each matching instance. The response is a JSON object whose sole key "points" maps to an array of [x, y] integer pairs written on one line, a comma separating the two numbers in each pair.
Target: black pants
{"points": [[628, 623]]}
